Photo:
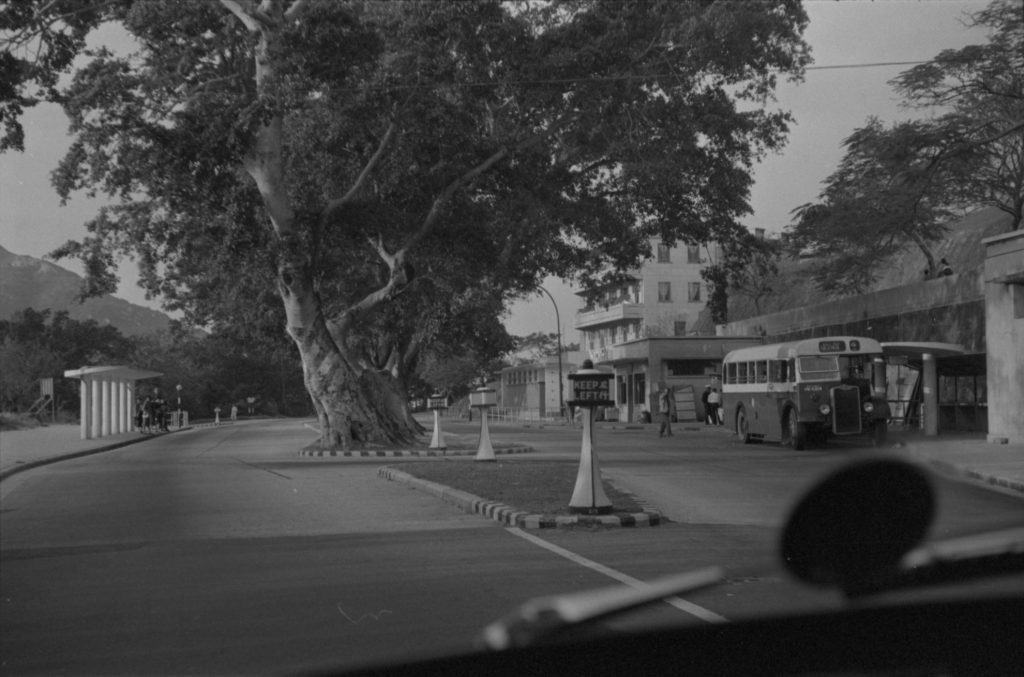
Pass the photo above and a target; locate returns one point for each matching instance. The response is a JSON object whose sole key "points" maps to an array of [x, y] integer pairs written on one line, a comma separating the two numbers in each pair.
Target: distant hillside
{"points": [[27, 282]]}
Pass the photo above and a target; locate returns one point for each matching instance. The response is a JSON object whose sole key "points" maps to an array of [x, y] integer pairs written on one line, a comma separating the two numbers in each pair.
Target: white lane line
{"points": [[678, 602]]}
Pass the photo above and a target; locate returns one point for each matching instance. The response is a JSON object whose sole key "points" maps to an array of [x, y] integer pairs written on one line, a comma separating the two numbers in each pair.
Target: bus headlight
{"points": [[825, 410], [869, 407]]}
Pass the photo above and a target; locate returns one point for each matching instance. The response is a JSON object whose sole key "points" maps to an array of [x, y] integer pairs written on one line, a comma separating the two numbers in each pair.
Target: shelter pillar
{"points": [[126, 419], [85, 408], [931, 395], [105, 408], [115, 407], [95, 403]]}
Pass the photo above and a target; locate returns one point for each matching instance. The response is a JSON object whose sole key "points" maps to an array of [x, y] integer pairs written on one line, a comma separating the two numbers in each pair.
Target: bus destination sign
{"points": [[831, 346]]}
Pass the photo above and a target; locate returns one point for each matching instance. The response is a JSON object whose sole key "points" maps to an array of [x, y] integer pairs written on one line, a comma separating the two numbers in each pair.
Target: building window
{"points": [[664, 292], [663, 254], [693, 254], [692, 368], [679, 328], [695, 291]]}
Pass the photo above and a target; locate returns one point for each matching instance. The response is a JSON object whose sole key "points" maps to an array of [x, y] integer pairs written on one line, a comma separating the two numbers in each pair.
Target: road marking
{"points": [[678, 602]]}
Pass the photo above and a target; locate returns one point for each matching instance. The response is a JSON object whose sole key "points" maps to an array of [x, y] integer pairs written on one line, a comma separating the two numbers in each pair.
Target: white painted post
{"points": [[105, 408], [95, 403], [588, 496], [931, 395], [85, 407]]}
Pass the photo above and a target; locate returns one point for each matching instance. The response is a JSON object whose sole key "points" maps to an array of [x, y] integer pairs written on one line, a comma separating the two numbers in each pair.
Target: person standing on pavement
{"points": [[157, 411], [147, 412], [704, 402], [713, 406], [665, 411], [140, 412]]}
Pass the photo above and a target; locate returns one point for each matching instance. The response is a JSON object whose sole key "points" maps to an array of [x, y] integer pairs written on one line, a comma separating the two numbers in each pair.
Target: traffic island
{"points": [[524, 494], [400, 453]]}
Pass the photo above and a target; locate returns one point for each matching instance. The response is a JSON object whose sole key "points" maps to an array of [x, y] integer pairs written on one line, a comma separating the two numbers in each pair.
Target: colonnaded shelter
{"points": [[108, 398]]}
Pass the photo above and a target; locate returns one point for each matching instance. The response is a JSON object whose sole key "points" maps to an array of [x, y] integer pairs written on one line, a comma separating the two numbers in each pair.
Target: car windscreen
{"points": [[819, 368]]}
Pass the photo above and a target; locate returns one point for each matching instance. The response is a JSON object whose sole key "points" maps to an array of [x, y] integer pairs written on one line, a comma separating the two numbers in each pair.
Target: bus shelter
{"points": [[924, 357], [108, 398]]}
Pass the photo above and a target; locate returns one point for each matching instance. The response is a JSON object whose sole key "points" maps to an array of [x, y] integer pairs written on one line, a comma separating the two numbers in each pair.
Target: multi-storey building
{"points": [[645, 331], [664, 297]]}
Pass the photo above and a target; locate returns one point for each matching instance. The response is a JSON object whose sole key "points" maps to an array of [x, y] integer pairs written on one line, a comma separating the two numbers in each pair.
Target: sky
{"points": [[841, 90]]}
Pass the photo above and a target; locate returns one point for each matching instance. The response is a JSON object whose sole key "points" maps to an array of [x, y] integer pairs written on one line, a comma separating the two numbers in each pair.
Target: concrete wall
{"points": [[1004, 329], [948, 310]]}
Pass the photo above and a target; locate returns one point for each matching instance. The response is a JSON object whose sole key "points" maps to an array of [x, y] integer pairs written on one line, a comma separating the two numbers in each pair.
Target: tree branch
{"points": [[246, 12], [360, 181]]}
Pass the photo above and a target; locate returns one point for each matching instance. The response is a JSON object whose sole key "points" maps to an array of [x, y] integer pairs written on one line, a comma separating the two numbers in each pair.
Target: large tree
{"points": [[379, 165], [898, 185]]}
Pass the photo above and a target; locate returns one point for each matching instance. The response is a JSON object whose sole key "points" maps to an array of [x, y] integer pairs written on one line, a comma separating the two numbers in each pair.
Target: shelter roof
{"points": [[116, 372]]}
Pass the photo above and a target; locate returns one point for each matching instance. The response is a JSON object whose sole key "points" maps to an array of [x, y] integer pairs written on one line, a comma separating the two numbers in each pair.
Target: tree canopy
{"points": [[900, 184], [389, 169]]}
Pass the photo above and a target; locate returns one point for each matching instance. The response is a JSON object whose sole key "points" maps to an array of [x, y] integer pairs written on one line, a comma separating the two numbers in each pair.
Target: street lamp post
{"points": [[558, 333]]}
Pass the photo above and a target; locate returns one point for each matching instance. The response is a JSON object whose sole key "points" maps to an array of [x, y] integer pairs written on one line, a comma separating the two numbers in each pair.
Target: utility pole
{"points": [[558, 334]]}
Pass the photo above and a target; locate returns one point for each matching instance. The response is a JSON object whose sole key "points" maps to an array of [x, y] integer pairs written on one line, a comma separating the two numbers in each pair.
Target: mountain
{"points": [[27, 282]]}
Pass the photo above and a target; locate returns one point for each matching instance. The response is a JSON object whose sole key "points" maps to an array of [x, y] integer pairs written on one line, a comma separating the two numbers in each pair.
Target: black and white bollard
{"points": [[482, 399], [436, 403], [590, 390]]}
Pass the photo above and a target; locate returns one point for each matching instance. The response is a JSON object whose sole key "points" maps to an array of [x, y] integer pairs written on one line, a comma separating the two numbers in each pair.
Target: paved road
{"points": [[221, 551]]}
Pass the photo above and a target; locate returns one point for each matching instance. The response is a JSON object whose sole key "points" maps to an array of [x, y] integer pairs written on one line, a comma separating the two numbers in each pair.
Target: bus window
{"points": [[761, 368], [819, 368], [730, 372], [741, 372], [778, 371], [791, 364]]}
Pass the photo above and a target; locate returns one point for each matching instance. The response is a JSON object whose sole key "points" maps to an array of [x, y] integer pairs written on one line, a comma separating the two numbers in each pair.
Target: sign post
{"points": [[437, 402], [590, 389], [483, 399]]}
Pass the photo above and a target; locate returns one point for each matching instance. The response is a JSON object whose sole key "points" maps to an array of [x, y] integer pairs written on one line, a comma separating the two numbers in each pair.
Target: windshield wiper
{"points": [[951, 561], [545, 617]]}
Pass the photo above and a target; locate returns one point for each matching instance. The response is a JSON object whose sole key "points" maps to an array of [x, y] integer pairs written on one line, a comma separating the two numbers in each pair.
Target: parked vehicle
{"points": [[803, 391]]}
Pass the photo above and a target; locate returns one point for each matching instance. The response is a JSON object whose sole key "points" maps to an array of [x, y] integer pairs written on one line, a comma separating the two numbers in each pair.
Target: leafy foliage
{"points": [[403, 168], [39, 344], [898, 185]]}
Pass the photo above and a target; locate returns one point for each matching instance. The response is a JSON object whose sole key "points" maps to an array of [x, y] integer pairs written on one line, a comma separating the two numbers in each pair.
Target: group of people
{"points": [[712, 401], [151, 413]]}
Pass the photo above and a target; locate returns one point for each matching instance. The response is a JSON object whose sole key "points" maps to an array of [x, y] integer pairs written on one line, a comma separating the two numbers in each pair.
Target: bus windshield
{"points": [[819, 368]]}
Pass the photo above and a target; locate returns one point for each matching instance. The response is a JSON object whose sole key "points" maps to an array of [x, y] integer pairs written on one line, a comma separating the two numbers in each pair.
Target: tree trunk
{"points": [[355, 407]]}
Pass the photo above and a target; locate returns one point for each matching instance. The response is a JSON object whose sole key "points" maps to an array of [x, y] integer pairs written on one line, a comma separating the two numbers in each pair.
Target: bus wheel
{"points": [[795, 430], [743, 426], [879, 432]]}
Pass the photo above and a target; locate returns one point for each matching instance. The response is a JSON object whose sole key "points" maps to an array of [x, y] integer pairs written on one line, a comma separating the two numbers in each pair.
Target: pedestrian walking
{"points": [[714, 399], [665, 411]]}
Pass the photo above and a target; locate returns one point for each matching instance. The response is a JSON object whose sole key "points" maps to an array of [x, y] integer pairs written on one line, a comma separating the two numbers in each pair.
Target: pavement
{"points": [[970, 457]]}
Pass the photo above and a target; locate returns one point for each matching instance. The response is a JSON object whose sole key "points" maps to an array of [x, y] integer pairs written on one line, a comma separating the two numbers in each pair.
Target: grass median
{"points": [[537, 487]]}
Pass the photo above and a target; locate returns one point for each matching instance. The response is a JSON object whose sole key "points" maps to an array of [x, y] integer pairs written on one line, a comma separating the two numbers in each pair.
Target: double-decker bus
{"points": [[806, 390]]}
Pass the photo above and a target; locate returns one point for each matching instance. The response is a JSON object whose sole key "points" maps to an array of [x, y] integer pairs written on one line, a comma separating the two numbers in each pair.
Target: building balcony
{"points": [[605, 315]]}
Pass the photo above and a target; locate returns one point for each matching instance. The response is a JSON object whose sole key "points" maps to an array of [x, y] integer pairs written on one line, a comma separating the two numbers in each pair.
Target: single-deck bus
{"points": [[806, 390]]}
